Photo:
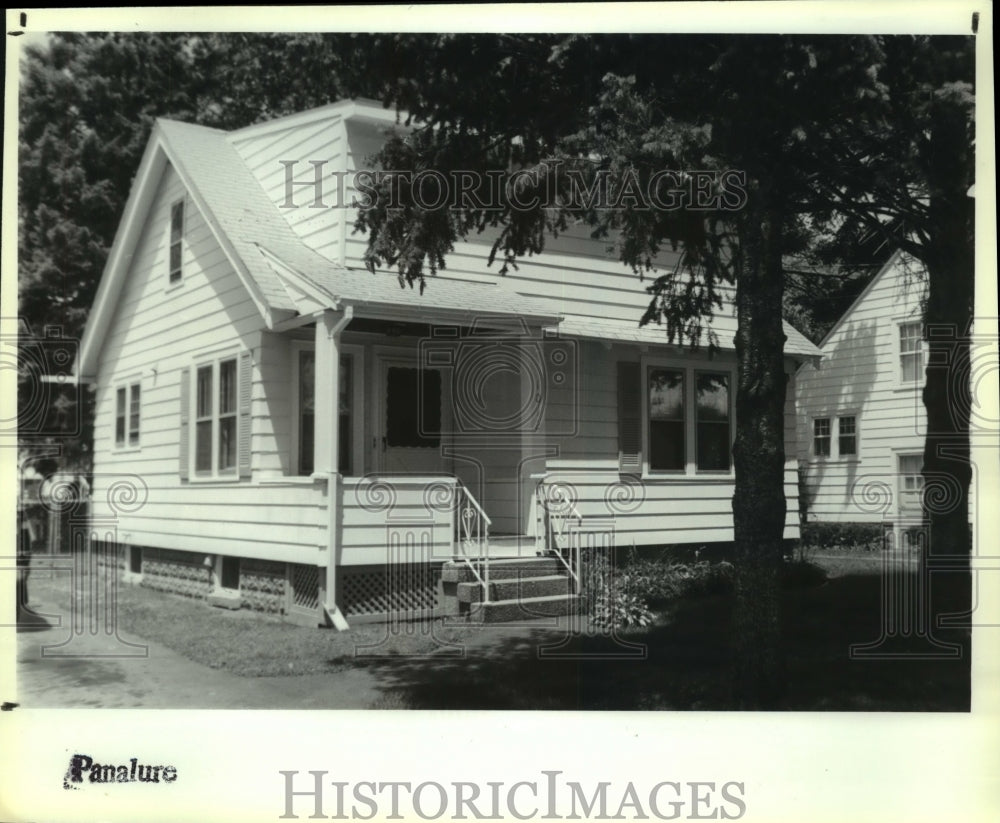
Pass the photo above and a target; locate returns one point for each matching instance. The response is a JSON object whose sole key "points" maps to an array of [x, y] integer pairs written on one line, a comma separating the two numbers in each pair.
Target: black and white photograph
{"points": [[511, 376]]}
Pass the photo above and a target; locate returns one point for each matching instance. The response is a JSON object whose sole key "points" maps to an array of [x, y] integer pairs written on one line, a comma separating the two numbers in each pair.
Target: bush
{"points": [[842, 537]]}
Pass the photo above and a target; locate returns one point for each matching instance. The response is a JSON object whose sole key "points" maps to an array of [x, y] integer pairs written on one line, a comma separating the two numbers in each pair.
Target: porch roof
{"points": [[724, 326]]}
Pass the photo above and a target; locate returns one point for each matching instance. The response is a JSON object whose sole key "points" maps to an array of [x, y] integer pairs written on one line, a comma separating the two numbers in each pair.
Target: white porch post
{"points": [[326, 436]]}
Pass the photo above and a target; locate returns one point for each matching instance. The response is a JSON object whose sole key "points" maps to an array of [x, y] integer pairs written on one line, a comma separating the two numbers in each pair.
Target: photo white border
{"points": [[805, 766]]}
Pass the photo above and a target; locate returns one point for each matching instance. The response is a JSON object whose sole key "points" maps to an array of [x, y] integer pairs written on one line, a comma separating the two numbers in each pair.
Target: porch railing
{"points": [[472, 536], [556, 511]]}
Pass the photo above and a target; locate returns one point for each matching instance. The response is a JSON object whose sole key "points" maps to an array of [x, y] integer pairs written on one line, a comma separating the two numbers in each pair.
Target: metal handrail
{"points": [[543, 498], [467, 508]]}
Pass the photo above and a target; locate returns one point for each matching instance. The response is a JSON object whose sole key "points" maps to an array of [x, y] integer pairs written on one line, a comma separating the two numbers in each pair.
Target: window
{"points": [[176, 238], [821, 437], [307, 412], [843, 446], [215, 418], [407, 390], [227, 415], [911, 353], [127, 404], [911, 481], [666, 419], [847, 445], [712, 437], [120, 418]]}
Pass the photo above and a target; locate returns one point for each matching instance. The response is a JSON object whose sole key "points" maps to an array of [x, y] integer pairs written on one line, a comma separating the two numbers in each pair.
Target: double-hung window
{"points": [[835, 438], [128, 401], [911, 353], [821, 437], [215, 418], [687, 419], [176, 241], [667, 427], [911, 482]]}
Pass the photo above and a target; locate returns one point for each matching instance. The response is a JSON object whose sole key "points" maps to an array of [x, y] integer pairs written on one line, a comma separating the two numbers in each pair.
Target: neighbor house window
{"points": [[911, 352], [176, 238], [127, 417], [911, 481], [835, 437], [847, 445], [713, 437], [821, 437], [307, 412], [666, 419], [216, 418]]}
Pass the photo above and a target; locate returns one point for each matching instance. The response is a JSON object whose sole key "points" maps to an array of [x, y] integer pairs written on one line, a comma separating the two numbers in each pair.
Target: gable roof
{"points": [[277, 268], [890, 264]]}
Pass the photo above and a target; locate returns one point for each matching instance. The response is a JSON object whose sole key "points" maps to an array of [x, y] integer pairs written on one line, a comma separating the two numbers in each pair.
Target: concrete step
{"points": [[456, 571], [525, 608], [514, 588]]}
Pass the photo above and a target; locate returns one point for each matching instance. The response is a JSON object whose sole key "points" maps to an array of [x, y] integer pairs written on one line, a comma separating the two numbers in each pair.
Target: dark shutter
{"points": [[184, 455], [246, 383], [629, 419]]}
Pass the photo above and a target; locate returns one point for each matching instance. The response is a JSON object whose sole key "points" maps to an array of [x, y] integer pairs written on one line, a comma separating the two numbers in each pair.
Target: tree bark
{"points": [[947, 397], [759, 456]]}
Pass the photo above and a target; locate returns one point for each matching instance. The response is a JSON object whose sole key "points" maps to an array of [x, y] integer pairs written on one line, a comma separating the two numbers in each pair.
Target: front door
{"points": [[413, 418]]}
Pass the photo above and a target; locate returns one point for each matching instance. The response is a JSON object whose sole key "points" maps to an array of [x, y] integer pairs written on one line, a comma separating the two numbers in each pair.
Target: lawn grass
{"points": [[245, 643], [683, 661]]}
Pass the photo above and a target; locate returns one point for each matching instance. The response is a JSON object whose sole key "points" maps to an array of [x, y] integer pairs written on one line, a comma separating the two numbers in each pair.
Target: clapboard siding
{"points": [[858, 375], [373, 522], [156, 331], [318, 223], [667, 510]]}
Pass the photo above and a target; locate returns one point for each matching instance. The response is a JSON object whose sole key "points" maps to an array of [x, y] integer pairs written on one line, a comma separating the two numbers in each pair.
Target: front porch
{"points": [[429, 438], [419, 547]]}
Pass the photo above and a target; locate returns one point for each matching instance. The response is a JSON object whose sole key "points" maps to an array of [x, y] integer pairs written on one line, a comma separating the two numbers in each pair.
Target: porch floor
{"points": [[504, 545]]}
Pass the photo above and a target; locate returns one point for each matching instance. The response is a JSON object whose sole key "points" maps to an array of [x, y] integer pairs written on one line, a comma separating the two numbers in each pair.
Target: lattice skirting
{"points": [[304, 587], [177, 572], [404, 591], [110, 554], [262, 585]]}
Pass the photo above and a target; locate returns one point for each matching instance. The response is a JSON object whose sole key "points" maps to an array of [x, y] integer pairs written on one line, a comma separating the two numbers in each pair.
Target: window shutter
{"points": [[629, 419], [184, 456], [246, 383]]}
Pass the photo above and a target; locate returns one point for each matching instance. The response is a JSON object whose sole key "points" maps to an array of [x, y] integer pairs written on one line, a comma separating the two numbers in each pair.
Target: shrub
{"points": [[843, 537]]}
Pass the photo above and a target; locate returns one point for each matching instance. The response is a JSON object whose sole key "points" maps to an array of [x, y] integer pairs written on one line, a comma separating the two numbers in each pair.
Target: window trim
{"points": [[835, 417], [214, 359], [690, 369], [357, 352], [127, 386], [897, 352]]}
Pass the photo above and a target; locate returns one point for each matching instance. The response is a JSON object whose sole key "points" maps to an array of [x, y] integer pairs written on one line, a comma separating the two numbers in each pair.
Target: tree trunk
{"points": [[759, 457], [950, 262]]}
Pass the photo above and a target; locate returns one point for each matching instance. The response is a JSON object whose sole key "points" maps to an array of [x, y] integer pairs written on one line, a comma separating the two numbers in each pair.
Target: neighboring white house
{"points": [[861, 420], [295, 425]]}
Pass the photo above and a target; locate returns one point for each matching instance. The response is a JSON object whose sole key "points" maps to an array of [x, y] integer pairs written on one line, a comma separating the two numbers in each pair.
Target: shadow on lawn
{"points": [[687, 662]]}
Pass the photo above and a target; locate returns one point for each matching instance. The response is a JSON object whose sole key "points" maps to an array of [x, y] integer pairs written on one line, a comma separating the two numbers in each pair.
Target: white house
{"points": [[861, 420], [309, 437]]}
